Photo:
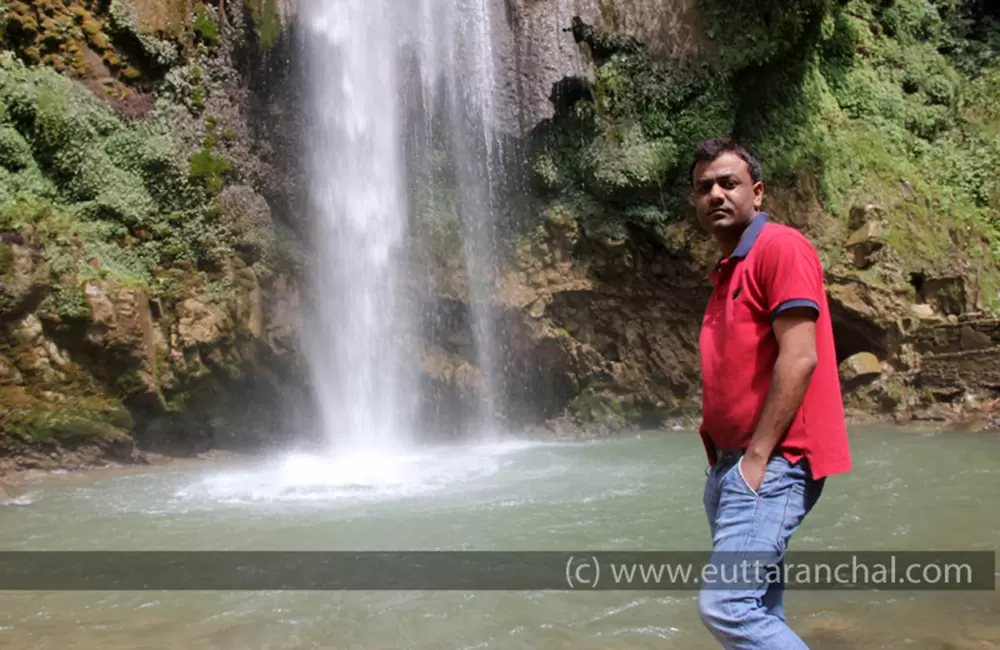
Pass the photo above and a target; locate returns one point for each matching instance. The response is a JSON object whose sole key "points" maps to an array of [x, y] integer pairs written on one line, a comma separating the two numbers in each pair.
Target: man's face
{"points": [[725, 196]]}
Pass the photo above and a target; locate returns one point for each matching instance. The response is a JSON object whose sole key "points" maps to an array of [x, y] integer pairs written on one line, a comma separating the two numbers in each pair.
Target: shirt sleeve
{"points": [[791, 274]]}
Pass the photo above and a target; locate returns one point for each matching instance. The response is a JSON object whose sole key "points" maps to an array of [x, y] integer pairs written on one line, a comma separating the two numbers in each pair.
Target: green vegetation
{"points": [[106, 198], [205, 26], [206, 167], [121, 168], [267, 19], [15, 152], [892, 102]]}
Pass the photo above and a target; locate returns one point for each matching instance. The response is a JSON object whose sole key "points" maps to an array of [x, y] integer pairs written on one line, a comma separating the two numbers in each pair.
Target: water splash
{"points": [[353, 478]]}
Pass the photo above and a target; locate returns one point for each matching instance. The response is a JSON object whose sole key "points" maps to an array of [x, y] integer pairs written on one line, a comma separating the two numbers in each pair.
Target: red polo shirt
{"points": [[774, 267]]}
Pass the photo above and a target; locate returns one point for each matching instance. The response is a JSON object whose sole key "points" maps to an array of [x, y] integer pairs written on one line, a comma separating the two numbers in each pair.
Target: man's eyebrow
{"points": [[720, 177]]}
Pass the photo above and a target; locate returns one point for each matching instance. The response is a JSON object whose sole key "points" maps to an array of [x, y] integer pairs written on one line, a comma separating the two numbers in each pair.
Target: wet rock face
{"points": [[590, 336], [960, 360], [545, 52]]}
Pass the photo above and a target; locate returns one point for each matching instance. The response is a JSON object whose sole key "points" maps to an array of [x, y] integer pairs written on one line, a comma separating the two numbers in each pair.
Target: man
{"points": [[773, 420]]}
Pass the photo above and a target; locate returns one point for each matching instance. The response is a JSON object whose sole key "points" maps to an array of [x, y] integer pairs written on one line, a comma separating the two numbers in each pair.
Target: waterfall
{"points": [[460, 78], [356, 180], [369, 63]]}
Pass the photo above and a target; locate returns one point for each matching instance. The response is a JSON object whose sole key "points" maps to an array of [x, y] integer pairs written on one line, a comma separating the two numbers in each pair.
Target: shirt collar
{"points": [[750, 235], [747, 240]]}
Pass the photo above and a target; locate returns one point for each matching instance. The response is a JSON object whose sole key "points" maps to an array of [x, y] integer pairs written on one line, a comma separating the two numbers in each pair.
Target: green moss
{"points": [[79, 413], [130, 383], [111, 200], [57, 32], [205, 25], [758, 32], [66, 303], [178, 400], [206, 167], [45, 425], [267, 20]]}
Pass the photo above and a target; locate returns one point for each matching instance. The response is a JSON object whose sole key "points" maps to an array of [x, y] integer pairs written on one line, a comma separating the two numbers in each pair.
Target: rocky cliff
{"points": [[148, 262]]}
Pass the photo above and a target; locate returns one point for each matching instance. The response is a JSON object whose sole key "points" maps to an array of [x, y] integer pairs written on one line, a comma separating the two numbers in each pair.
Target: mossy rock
{"points": [[594, 407], [62, 417]]}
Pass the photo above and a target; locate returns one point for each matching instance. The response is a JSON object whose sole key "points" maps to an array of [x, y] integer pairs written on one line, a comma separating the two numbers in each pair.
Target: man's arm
{"points": [[795, 330]]}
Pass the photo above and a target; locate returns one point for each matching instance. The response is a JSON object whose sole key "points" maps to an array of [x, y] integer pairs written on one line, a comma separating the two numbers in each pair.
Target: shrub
{"points": [[15, 152]]}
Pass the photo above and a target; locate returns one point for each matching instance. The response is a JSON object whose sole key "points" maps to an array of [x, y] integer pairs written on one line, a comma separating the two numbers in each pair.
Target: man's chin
{"points": [[724, 223]]}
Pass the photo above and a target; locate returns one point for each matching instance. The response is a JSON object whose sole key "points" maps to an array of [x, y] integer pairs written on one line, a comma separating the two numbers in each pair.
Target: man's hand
{"points": [[795, 330], [753, 469]]}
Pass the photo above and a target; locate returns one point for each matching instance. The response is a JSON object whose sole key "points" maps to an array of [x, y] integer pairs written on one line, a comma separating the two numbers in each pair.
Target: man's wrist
{"points": [[758, 452]]}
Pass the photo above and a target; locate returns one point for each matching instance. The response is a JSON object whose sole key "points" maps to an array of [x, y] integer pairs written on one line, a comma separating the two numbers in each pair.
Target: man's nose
{"points": [[717, 194]]}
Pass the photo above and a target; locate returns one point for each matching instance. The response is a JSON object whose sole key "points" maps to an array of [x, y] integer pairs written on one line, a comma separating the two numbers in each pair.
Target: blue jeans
{"points": [[750, 529]]}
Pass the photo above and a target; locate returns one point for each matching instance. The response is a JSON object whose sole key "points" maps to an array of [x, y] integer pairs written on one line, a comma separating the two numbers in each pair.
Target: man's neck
{"points": [[727, 246], [730, 239]]}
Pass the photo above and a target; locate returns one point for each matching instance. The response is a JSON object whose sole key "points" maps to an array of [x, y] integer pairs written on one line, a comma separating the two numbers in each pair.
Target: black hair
{"points": [[709, 150]]}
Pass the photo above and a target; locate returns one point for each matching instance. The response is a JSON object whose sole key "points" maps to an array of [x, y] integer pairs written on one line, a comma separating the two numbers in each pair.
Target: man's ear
{"points": [[758, 194]]}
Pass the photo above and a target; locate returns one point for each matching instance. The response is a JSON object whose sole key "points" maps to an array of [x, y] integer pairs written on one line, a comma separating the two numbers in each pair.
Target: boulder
{"points": [[864, 243], [862, 317], [859, 369], [122, 328], [199, 324], [37, 357], [862, 214], [543, 52]]}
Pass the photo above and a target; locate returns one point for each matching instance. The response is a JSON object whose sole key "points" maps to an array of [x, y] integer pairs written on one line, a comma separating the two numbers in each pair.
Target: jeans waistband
{"points": [[729, 454]]}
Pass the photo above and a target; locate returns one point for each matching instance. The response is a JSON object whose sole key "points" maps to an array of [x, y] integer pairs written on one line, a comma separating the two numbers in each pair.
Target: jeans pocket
{"points": [[743, 480]]}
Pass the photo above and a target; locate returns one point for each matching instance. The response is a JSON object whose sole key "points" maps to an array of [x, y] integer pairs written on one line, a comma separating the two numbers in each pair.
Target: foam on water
{"points": [[21, 500], [372, 476]]}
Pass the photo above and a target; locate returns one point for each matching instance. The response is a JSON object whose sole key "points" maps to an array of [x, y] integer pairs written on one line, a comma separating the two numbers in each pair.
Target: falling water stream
{"points": [[359, 90], [356, 184]]}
